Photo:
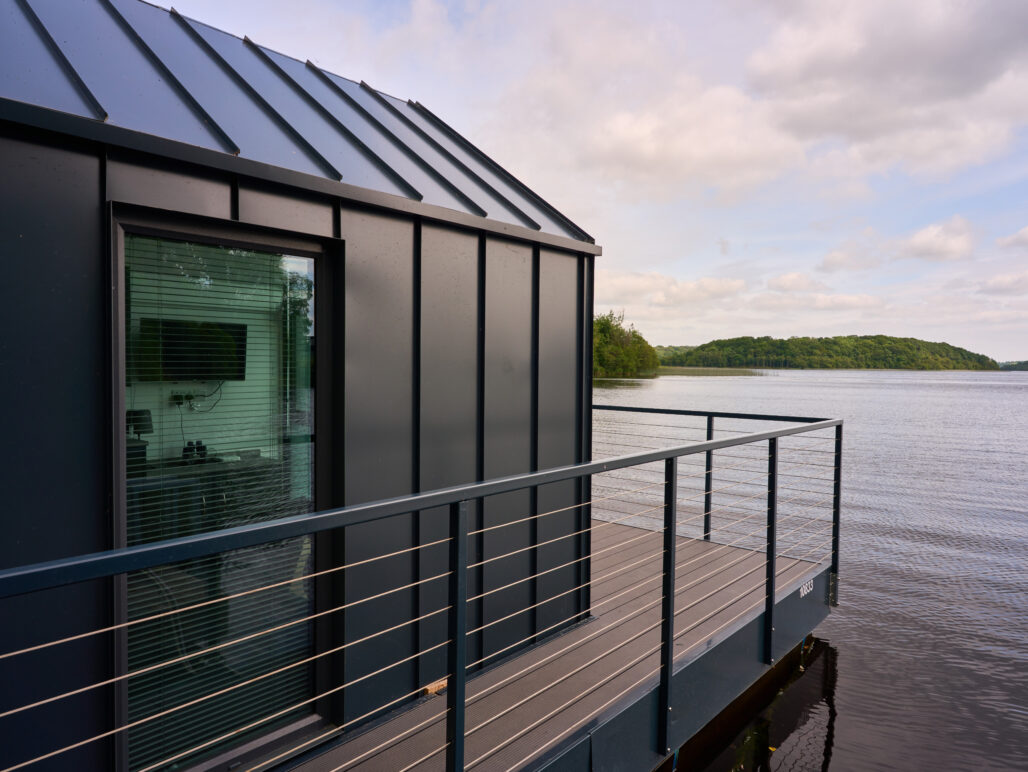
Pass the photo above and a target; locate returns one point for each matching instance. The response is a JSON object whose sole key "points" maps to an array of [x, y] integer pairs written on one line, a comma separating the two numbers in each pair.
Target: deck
{"points": [[520, 711]]}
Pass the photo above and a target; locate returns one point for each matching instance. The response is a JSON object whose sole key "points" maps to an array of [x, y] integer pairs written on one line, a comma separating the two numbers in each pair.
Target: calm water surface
{"points": [[928, 662]]}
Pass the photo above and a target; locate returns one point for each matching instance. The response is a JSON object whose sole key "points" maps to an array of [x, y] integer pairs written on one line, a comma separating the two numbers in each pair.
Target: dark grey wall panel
{"points": [[449, 358], [558, 352], [138, 183], [508, 436], [448, 412], [283, 209], [377, 457], [54, 386]]}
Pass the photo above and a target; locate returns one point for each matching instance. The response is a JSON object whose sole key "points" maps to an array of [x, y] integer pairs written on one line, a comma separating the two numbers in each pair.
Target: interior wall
{"points": [[256, 396]]}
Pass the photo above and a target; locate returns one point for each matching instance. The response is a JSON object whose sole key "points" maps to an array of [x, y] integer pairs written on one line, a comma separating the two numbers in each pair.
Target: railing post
{"points": [[708, 491], [667, 606], [833, 577], [457, 650], [769, 584]]}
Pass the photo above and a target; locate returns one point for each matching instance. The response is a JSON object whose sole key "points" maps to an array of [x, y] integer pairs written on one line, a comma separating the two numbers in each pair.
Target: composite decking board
{"points": [[710, 578]]}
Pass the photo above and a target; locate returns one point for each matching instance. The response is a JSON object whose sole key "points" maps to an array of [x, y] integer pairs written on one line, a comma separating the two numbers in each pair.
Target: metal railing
{"points": [[680, 479]]}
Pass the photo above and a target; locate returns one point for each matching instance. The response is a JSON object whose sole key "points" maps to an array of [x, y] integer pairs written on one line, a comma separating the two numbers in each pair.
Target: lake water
{"points": [[927, 654]]}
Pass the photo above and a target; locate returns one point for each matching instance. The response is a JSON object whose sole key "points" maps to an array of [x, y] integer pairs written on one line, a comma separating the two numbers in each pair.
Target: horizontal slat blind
{"points": [[219, 400]]}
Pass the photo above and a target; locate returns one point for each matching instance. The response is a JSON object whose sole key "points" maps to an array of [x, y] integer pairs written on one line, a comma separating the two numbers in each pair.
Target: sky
{"points": [[750, 167]]}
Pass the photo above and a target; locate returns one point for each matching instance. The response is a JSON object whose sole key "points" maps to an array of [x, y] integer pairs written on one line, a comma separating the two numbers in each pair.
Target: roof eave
{"points": [[89, 129]]}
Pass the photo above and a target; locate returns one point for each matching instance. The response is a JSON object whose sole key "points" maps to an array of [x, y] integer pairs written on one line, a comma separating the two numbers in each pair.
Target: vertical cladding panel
{"points": [[377, 459], [558, 352], [139, 183], [278, 209], [449, 368], [508, 438], [54, 384]]}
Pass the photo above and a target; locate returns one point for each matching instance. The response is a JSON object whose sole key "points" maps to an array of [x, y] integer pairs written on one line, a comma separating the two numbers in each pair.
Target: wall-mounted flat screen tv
{"points": [[181, 350]]}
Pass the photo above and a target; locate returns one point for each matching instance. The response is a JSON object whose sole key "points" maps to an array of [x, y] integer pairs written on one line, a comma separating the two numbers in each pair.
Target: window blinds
{"points": [[219, 400]]}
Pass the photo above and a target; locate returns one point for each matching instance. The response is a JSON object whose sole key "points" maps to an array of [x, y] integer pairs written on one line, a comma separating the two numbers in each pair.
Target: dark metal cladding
{"points": [[151, 71], [258, 136], [556, 440], [378, 410], [50, 81], [52, 328], [382, 107], [508, 438], [123, 78], [504, 179], [448, 406]]}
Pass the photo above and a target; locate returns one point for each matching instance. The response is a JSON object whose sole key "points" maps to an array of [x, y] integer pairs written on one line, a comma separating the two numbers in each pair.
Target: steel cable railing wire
{"points": [[242, 639], [612, 497], [250, 636], [793, 443], [720, 568], [604, 654], [258, 678], [313, 575], [220, 646], [608, 626], [248, 681], [591, 502], [228, 735], [697, 434], [698, 475], [221, 599], [581, 642], [695, 602], [718, 470], [498, 685], [652, 672], [438, 715]]}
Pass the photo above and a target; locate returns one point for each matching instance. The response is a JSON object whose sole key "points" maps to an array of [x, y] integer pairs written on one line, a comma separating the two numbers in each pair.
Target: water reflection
{"points": [[614, 384], [796, 730]]}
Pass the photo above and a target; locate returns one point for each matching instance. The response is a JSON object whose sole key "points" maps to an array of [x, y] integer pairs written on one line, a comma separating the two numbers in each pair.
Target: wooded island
{"points": [[872, 352]]}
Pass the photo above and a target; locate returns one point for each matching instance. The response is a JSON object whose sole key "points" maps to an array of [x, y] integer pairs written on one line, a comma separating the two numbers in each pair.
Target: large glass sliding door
{"points": [[219, 411]]}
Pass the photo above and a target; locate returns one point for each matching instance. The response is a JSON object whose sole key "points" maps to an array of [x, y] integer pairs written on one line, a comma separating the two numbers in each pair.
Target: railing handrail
{"points": [[55, 573], [712, 414]]}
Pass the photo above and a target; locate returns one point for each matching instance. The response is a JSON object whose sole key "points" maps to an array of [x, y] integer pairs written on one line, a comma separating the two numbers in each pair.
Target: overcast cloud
{"points": [[802, 167]]}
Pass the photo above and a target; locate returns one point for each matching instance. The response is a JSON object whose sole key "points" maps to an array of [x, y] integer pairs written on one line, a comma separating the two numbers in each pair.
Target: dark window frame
{"points": [[328, 254]]}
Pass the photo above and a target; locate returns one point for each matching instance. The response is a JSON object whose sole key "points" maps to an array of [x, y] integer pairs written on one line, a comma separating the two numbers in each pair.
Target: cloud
{"points": [[932, 91], [1006, 284], [618, 289], [796, 282], [1016, 240], [773, 301], [949, 240], [846, 260]]}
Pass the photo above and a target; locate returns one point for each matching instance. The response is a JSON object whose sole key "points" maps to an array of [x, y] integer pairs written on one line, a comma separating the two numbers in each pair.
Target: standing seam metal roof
{"points": [[140, 67]]}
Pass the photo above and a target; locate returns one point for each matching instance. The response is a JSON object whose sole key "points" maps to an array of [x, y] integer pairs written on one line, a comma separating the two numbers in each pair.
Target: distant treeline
{"points": [[1014, 365], [620, 351], [842, 352]]}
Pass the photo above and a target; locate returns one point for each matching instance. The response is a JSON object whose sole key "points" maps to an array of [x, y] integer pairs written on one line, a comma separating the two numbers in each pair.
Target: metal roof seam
{"points": [[506, 202], [72, 74], [312, 151], [510, 178], [338, 125], [397, 142], [230, 144], [164, 76]]}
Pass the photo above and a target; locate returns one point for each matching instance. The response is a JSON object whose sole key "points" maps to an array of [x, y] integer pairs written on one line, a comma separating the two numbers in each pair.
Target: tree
{"points": [[619, 351]]}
